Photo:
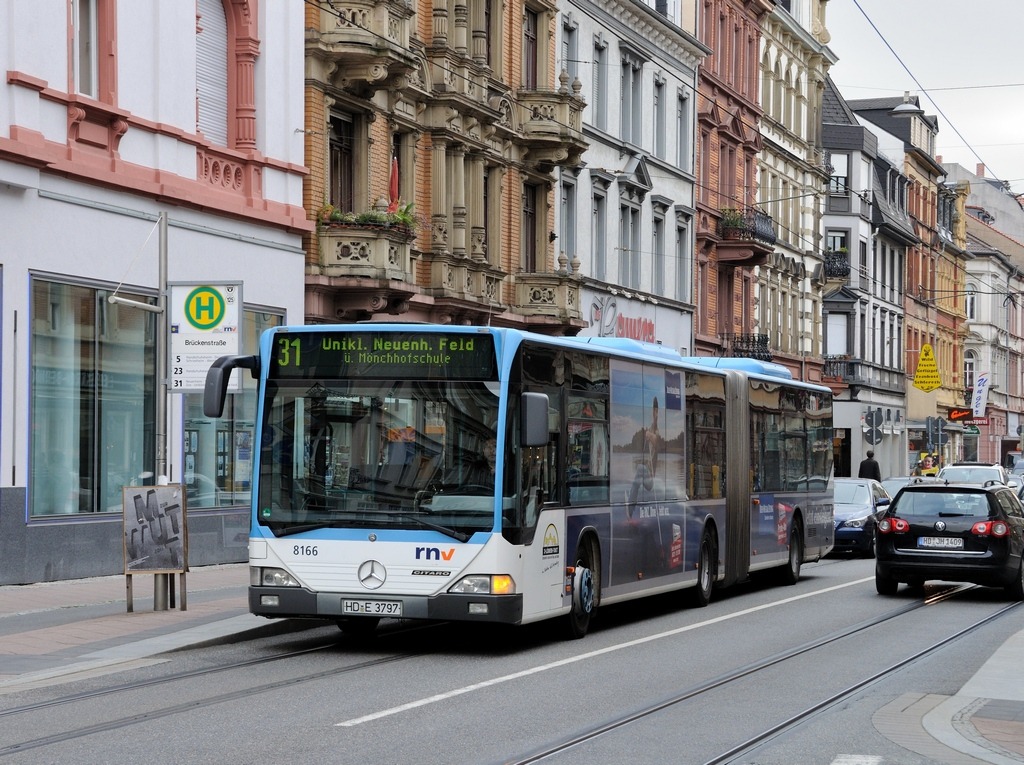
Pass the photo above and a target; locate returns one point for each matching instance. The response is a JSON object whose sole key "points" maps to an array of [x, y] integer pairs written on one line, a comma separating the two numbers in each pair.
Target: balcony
{"points": [[748, 346], [551, 124], [747, 236], [363, 44], [859, 374], [551, 298], [837, 265], [369, 252]]}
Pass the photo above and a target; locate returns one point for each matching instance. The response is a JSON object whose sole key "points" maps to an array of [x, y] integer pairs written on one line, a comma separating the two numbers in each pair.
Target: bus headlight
{"points": [[271, 577], [483, 584]]}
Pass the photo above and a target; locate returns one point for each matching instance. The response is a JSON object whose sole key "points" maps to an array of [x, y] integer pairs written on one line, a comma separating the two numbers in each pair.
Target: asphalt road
{"points": [[652, 683]]}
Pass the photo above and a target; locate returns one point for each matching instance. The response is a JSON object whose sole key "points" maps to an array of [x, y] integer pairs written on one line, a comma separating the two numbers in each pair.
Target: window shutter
{"points": [[212, 72]]}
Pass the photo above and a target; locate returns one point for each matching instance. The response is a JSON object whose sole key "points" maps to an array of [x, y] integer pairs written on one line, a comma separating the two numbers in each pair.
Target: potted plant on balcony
{"points": [[732, 222]]}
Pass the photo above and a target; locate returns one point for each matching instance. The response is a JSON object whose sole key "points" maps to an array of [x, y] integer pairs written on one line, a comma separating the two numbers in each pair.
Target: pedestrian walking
{"points": [[869, 467]]}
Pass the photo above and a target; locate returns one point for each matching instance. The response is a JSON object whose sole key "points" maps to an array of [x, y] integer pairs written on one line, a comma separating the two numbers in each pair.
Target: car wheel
{"points": [[1016, 587], [706, 558], [885, 584], [870, 551], [791, 571]]}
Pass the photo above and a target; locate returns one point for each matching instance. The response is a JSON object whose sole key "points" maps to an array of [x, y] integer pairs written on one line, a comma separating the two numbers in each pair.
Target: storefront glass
{"points": [[93, 406]]}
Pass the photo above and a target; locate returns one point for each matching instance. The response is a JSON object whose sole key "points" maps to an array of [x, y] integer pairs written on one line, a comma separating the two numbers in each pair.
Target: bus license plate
{"points": [[944, 543], [372, 607]]}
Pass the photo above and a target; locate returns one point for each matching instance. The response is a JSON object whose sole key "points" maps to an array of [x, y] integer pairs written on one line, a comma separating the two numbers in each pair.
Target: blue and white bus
{"points": [[622, 470]]}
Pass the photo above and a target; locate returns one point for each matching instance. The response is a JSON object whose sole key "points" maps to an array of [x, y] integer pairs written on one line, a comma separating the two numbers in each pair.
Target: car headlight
{"points": [[271, 577], [855, 523], [484, 584]]}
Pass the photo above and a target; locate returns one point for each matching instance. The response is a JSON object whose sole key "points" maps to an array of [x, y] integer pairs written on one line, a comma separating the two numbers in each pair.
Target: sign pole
{"points": [[161, 586]]}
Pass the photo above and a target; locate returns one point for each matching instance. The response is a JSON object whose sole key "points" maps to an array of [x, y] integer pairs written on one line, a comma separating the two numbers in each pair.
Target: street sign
{"points": [[926, 377], [205, 324], [873, 420]]}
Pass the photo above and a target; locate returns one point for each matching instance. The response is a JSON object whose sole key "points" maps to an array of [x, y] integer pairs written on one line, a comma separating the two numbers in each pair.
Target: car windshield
{"points": [[945, 504], [851, 493], [964, 474]]}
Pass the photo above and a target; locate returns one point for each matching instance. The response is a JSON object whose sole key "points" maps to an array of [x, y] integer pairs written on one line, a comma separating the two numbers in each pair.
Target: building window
{"points": [[531, 196], [86, 45], [93, 401], [567, 232], [629, 246], [683, 262], [93, 398], [217, 453], [658, 247], [600, 112], [684, 148], [212, 72], [836, 240], [600, 243], [569, 49], [530, 49], [659, 117], [93, 72], [632, 98], [970, 302], [341, 170], [839, 181], [970, 367]]}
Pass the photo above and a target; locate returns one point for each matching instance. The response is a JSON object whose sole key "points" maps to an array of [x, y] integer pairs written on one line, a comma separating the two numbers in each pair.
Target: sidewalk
{"points": [[55, 632]]}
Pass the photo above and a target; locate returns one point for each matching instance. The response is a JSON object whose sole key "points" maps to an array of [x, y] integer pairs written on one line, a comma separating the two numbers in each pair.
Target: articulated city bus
{"points": [[479, 474]]}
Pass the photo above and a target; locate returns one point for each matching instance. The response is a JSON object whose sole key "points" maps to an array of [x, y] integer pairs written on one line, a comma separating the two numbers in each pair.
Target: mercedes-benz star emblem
{"points": [[372, 574], [940, 526]]}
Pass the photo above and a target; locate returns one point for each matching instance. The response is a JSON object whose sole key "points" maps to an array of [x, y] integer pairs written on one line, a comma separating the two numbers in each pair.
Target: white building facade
{"points": [[111, 114], [625, 218]]}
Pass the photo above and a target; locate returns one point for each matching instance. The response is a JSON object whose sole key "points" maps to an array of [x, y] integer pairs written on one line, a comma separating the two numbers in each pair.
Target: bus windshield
{"points": [[378, 454]]}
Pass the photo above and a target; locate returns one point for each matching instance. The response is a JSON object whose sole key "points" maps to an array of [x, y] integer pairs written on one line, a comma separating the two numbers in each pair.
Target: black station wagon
{"points": [[953, 532]]}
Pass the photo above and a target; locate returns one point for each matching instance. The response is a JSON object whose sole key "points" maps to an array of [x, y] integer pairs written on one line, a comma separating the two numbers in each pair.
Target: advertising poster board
{"points": [[155, 532]]}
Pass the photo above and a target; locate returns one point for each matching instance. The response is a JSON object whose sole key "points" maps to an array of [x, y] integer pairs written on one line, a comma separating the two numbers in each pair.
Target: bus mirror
{"points": [[533, 411], [217, 377]]}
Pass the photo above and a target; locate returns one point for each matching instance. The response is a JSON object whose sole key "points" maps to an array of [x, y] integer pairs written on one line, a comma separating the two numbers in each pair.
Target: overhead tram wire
{"points": [[923, 89]]}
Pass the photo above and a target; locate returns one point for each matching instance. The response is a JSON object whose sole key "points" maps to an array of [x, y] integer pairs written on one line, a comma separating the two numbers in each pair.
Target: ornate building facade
{"points": [[733, 235], [433, 131], [793, 174]]}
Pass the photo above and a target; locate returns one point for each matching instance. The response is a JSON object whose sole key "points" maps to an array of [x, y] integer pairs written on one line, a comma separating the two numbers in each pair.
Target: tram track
{"points": [[178, 677], [752, 743]]}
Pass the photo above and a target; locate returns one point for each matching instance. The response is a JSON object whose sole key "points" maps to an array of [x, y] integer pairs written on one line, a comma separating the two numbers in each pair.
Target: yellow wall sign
{"points": [[927, 376]]}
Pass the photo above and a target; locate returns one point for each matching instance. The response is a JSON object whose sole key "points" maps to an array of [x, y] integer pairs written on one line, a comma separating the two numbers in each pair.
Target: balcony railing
{"points": [[554, 296], [749, 346], [837, 264], [863, 374], [750, 224]]}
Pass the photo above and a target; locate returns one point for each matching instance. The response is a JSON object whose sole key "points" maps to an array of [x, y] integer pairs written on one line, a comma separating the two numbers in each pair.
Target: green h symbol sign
{"points": [[204, 308]]}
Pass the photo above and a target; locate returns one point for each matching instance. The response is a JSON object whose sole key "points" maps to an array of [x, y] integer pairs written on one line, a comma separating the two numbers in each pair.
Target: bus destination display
{"points": [[383, 355]]}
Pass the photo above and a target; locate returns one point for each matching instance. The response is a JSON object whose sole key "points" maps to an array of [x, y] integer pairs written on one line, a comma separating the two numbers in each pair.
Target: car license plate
{"points": [[942, 543], [372, 607]]}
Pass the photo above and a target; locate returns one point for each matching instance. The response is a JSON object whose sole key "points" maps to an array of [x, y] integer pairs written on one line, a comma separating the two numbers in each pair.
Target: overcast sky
{"points": [[964, 62]]}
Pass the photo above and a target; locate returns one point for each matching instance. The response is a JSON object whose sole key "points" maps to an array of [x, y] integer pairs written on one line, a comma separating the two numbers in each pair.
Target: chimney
{"points": [[980, 170]]}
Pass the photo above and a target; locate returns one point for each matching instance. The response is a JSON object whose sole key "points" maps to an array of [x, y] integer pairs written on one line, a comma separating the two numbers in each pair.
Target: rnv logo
{"points": [[434, 553]]}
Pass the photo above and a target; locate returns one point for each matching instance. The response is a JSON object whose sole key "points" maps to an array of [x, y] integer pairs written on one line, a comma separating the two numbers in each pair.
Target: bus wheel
{"points": [[701, 595], [791, 572], [359, 626], [583, 595]]}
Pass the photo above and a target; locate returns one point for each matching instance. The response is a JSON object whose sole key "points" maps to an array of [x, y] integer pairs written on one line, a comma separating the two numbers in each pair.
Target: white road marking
{"points": [[583, 657], [856, 759]]}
